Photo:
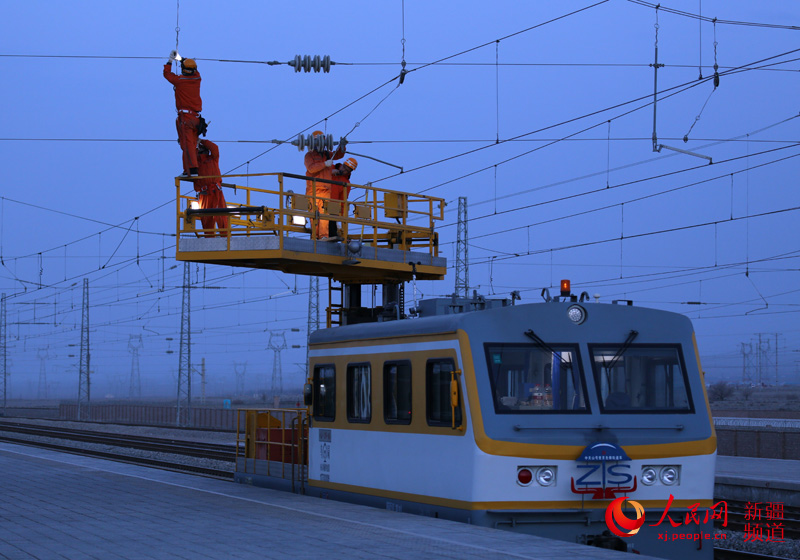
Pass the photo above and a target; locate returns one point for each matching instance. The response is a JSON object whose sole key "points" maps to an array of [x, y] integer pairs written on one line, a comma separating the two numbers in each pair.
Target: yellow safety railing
{"points": [[279, 205], [278, 437]]}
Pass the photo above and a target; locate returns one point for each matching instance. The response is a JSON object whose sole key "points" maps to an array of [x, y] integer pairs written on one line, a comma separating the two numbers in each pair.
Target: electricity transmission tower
{"points": [[84, 383], [184, 403], [747, 362], [313, 308], [462, 250], [277, 342], [203, 381], [3, 351], [43, 356], [240, 369], [765, 362], [135, 343]]}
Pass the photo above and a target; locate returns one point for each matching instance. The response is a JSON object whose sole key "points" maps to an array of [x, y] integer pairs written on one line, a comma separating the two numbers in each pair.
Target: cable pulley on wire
{"points": [[308, 63]]}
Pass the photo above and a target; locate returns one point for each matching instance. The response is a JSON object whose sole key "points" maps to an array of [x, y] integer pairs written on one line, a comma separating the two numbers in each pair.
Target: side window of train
{"points": [[324, 392], [359, 393], [397, 392], [439, 409]]}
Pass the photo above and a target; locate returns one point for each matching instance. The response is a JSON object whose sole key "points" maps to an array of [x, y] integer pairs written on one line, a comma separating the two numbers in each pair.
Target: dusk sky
{"points": [[540, 113]]}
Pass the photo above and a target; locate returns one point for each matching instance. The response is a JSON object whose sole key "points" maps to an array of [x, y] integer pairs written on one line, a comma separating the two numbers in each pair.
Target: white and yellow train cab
{"points": [[531, 418]]}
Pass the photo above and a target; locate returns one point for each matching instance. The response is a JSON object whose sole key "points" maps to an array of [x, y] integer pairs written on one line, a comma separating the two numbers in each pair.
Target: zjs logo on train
{"points": [[606, 472]]}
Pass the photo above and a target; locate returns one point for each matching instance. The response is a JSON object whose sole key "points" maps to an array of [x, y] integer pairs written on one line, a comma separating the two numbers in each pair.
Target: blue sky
{"points": [[515, 116]]}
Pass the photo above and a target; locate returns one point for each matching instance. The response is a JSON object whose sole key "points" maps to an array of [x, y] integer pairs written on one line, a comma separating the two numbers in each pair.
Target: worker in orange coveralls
{"points": [[319, 166], [341, 172], [209, 191], [188, 105]]}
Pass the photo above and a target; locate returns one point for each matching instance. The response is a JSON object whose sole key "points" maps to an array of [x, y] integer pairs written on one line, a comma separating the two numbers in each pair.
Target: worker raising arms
{"points": [[189, 105], [319, 166]]}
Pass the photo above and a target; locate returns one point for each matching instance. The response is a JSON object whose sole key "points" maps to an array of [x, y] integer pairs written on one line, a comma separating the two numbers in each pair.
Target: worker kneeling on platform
{"points": [[209, 187]]}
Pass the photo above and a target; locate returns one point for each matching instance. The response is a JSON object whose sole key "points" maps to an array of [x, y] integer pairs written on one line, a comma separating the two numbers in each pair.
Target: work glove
{"points": [[173, 55], [328, 163]]}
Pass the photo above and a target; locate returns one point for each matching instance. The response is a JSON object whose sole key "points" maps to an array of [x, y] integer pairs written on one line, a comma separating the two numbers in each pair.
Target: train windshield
{"points": [[641, 379], [528, 378]]}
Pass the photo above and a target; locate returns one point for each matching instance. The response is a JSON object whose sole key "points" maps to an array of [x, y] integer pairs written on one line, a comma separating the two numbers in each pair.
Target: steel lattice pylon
{"points": [[462, 250], [240, 369], [3, 352], [203, 382], [184, 404], [313, 308], [43, 356], [135, 343], [84, 381], [277, 373]]}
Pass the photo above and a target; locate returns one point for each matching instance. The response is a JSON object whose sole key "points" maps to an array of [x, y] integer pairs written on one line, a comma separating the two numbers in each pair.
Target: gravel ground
{"points": [[147, 431], [735, 540]]}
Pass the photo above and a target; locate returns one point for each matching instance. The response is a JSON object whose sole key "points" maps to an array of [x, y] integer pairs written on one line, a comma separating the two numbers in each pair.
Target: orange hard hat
{"points": [[351, 163], [188, 64], [317, 133]]}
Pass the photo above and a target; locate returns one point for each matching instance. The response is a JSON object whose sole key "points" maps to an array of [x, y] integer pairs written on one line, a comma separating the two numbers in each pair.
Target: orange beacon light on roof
{"points": [[565, 288]]}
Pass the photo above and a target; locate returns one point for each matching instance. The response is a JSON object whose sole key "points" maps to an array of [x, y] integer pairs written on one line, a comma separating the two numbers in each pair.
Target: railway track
{"points": [[20, 433], [16, 432], [789, 523], [730, 554]]}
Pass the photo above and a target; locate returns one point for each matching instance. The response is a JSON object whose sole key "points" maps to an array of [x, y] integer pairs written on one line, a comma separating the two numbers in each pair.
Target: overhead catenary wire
{"points": [[609, 206], [403, 73], [520, 192], [709, 19], [275, 63], [681, 88], [639, 181], [524, 139], [642, 235]]}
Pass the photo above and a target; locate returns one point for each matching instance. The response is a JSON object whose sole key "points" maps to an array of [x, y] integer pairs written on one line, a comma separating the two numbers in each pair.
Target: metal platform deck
{"points": [[308, 256], [384, 236]]}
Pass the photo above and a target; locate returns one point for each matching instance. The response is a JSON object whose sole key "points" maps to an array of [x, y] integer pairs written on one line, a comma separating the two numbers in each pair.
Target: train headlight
{"points": [[576, 314], [669, 476], [649, 476], [524, 476], [546, 476]]}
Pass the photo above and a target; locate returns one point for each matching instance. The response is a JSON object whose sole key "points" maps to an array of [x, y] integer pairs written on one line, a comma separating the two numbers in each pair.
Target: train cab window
{"points": [[527, 378], [641, 379], [397, 392], [324, 388], [359, 393], [438, 375]]}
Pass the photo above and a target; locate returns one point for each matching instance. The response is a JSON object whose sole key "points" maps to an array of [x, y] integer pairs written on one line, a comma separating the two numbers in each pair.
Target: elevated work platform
{"points": [[386, 236]]}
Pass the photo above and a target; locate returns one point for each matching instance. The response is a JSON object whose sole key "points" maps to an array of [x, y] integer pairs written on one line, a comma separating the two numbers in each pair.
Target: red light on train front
{"points": [[524, 476], [565, 288]]}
